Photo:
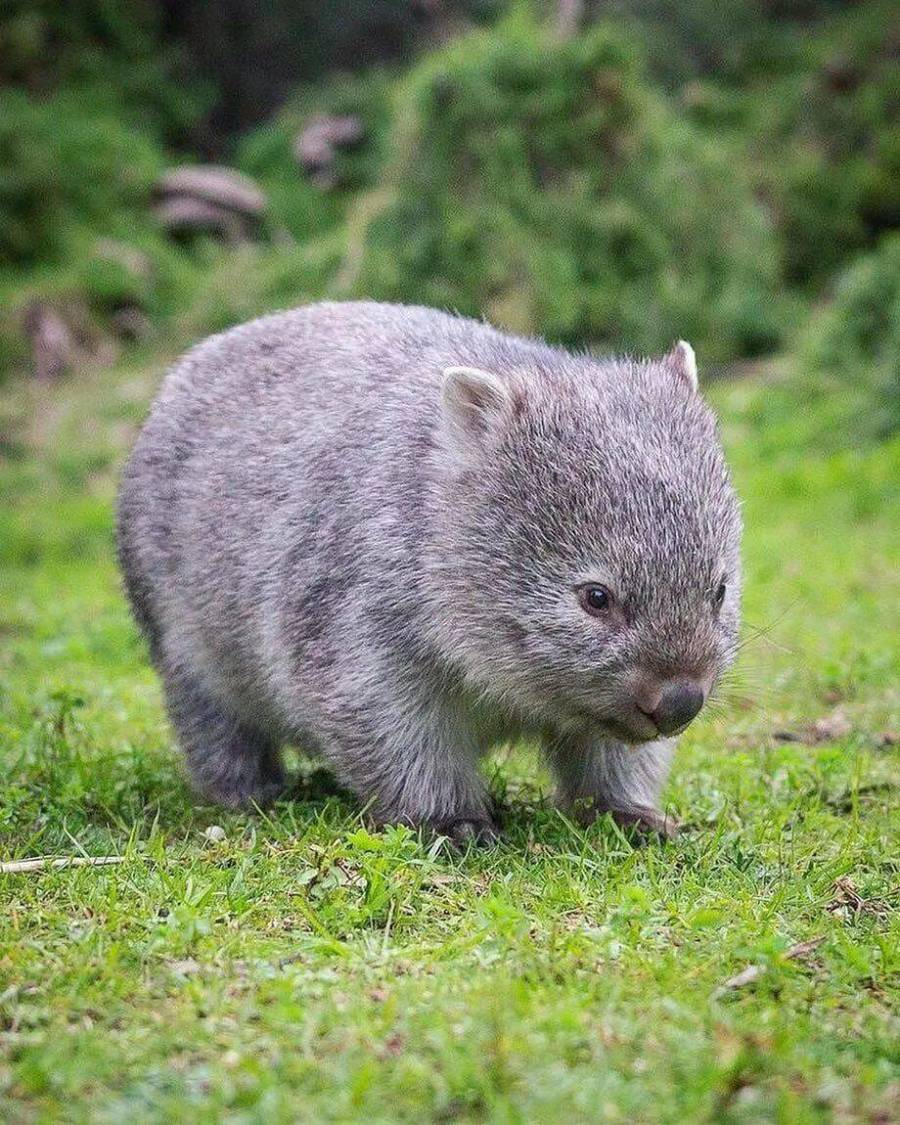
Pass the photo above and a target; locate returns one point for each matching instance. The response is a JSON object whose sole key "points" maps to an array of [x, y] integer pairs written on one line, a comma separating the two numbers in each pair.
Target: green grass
{"points": [[304, 968]]}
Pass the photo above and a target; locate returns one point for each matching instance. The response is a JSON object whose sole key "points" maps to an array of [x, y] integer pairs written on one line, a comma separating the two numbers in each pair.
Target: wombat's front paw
{"points": [[645, 822], [244, 785], [480, 831]]}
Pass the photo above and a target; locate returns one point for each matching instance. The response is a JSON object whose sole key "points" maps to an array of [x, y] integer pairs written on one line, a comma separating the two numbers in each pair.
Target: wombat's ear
{"points": [[683, 362], [476, 403]]}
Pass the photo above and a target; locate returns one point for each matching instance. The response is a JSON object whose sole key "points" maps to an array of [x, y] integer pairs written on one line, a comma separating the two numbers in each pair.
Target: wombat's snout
{"points": [[673, 705]]}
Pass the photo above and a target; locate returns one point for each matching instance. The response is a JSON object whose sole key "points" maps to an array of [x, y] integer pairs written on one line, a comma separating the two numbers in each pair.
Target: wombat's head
{"points": [[593, 573]]}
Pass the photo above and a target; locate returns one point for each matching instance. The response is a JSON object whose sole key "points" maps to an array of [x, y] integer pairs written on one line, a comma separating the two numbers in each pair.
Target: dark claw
{"points": [[464, 833], [647, 822]]}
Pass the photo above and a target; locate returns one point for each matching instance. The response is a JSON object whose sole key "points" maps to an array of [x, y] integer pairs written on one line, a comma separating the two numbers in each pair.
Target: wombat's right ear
{"points": [[684, 363], [476, 404]]}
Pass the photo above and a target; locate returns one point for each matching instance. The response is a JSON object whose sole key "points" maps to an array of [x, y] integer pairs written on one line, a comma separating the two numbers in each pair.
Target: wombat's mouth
{"points": [[638, 734], [617, 729]]}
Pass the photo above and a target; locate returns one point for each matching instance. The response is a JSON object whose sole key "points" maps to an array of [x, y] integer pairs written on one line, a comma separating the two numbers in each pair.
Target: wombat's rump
{"points": [[395, 537]]}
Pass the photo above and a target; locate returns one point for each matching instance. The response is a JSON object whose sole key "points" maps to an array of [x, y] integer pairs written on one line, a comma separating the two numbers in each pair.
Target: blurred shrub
{"points": [[113, 54], [852, 347], [843, 388], [832, 125], [557, 186], [64, 166], [251, 280], [809, 90], [734, 43], [541, 182]]}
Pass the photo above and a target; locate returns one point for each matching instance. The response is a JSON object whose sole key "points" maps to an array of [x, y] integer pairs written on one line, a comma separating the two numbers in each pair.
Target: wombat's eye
{"points": [[595, 599], [719, 596]]}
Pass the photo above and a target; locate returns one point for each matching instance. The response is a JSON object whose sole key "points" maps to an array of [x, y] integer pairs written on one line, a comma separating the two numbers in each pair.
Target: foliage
{"points": [[833, 124], [853, 344], [810, 94], [111, 56], [306, 968], [734, 43], [839, 388], [541, 182], [64, 168], [556, 186]]}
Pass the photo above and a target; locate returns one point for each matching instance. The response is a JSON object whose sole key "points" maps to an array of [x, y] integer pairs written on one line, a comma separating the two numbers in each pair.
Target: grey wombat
{"points": [[396, 537]]}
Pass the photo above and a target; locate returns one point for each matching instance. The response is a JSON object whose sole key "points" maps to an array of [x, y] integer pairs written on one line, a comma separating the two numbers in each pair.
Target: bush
{"points": [[841, 382], [112, 54], [542, 183], [734, 43], [833, 125], [852, 348], [65, 167], [809, 90]]}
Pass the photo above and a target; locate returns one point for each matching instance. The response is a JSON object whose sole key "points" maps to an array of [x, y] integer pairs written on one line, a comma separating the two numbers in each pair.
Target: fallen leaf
{"points": [[848, 901], [753, 972], [393, 1045]]}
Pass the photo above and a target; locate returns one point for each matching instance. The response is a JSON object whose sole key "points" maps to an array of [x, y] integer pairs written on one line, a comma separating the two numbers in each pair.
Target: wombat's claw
{"points": [[462, 833], [644, 822]]}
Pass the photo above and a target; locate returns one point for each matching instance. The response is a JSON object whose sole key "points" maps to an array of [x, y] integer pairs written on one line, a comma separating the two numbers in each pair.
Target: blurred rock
{"points": [[185, 214], [210, 198], [131, 259], [216, 184], [317, 146], [130, 323], [53, 347]]}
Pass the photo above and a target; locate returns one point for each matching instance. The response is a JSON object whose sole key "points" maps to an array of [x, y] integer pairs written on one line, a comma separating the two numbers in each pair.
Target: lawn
{"points": [[296, 966]]}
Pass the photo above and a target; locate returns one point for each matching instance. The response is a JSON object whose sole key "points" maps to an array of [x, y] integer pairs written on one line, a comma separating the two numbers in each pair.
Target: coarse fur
{"points": [[366, 529]]}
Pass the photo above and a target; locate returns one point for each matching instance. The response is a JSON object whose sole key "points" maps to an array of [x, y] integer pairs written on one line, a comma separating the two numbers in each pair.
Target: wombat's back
{"points": [[279, 457]]}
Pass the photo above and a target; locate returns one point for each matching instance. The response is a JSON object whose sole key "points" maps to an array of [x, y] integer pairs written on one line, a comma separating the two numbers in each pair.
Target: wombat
{"points": [[396, 537]]}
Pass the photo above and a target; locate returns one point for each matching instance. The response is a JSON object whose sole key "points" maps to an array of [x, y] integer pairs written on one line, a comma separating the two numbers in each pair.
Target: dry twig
{"points": [[41, 863]]}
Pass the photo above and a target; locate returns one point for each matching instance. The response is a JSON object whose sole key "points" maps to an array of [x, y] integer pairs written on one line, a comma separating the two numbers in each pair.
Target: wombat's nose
{"points": [[678, 704]]}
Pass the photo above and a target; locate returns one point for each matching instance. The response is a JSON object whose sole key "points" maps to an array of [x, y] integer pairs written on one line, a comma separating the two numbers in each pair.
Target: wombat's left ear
{"points": [[684, 363]]}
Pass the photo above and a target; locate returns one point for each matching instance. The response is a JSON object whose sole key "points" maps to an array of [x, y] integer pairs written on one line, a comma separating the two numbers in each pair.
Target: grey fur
{"points": [[327, 540]]}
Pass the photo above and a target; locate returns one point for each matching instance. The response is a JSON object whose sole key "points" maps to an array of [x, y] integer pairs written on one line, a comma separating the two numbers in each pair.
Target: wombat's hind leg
{"points": [[598, 776], [229, 761]]}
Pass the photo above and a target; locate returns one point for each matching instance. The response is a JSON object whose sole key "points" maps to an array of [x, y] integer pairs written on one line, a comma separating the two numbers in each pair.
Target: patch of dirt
{"points": [[830, 728]]}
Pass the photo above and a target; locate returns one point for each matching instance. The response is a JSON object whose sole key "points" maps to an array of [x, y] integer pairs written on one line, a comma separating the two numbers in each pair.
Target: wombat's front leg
{"points": [[416, 771], [597, 776]]}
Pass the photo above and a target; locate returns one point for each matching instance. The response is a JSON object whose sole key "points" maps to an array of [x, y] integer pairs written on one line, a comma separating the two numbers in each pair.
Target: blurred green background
{"points": [[609, 174]]}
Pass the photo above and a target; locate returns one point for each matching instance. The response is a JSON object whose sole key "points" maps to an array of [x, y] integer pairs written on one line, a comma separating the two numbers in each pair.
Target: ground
{"points": [[300, 967]]}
